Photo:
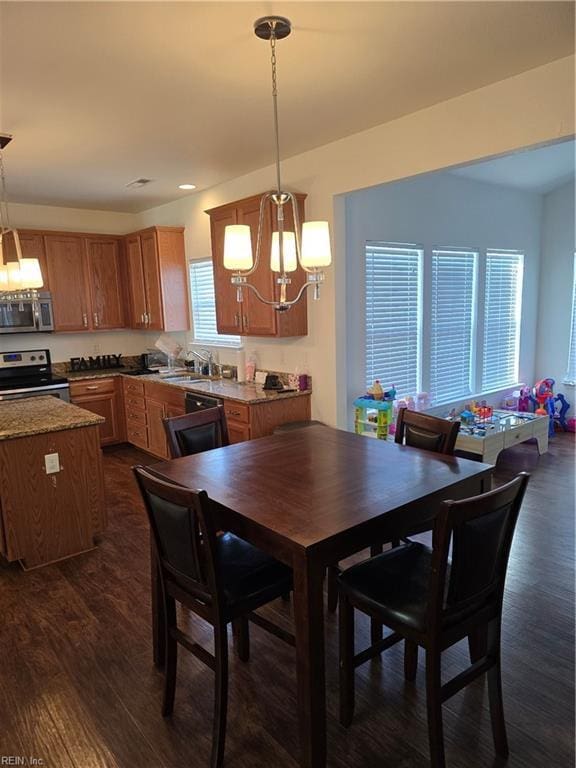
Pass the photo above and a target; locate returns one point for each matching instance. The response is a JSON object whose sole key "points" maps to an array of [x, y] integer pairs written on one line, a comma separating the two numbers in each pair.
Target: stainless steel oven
{"points": [[28, 373], [26, 313]]}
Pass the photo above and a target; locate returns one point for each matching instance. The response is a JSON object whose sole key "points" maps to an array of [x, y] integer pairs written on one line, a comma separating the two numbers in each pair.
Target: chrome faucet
{"points": [[205, 356]]}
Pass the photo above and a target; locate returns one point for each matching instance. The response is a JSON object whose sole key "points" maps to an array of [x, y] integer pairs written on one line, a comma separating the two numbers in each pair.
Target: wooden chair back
{"points": [[480, 530], [429, 433], [184, 535], [196, 432]]}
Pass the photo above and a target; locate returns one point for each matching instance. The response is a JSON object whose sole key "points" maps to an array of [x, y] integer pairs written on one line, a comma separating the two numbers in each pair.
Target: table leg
{"points": [[158, 618], [309, 629]]}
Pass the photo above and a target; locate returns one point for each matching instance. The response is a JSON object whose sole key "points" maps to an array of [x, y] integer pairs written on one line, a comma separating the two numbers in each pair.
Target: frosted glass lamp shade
{"points": [[31, 274], [238, 247], [14, 276], [3, 278], [289, 250], [315, 245]]}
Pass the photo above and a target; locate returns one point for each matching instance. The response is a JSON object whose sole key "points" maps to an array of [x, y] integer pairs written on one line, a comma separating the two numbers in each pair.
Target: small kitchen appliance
{"points": [[28, 373], [26, 312]]}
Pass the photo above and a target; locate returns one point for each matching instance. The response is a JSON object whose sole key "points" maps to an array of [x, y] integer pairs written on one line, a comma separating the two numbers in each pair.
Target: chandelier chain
{"points": [[275, 103]]}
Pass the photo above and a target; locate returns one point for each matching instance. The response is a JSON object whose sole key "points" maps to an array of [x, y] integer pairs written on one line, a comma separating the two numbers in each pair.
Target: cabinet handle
{"points": [[236, 319], [142, 318], [84, 319], [96, 322], [148, 319], [245, 320], [92, 386], [232, 413]]}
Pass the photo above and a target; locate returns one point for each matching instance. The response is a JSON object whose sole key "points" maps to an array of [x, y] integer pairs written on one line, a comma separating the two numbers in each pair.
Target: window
{"points": [[501, 347], [444, 321], [204, 305], [392, 315], [570, 377], [451, 326]]}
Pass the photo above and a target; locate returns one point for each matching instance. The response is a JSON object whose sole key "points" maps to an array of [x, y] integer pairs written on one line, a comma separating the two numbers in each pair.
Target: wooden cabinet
{"points": [[68, 282], [157, 279], [105, 280], [247, 422], [104, 397], [252, 317], [85, 278], [146, 405]]}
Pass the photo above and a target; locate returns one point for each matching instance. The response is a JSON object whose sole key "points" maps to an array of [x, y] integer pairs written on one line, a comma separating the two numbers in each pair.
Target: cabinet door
{"points": [[105, 405], [152, 281], [258, 319], [136, 282], [156, 435], [228, 311], [105, 280], [295, 321], [238, 432], [65, 259]]}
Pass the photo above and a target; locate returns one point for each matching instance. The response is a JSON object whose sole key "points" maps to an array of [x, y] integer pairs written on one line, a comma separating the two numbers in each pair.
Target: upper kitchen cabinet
{"points": [[158, 282], [85, 278], [252, 317]]}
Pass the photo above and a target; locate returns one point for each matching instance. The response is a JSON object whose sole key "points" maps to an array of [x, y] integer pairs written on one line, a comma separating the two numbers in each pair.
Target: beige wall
{"points": [[534, 107], [71, 219]]}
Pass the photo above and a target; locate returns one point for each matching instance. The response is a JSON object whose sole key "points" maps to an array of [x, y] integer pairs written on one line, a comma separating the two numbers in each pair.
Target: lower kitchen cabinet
{"points": [[102, 396], [146, 405], [249, 421]]}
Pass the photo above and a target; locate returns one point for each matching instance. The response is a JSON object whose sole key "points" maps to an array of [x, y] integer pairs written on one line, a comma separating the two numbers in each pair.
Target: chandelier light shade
{"points": [[316, 251], [289, 246], [238, 247], [23, 275], [308, 245]]}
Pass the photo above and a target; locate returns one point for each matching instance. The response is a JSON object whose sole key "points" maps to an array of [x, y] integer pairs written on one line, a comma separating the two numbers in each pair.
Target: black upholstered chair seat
{"points": [[247, 572], [395, 584]]}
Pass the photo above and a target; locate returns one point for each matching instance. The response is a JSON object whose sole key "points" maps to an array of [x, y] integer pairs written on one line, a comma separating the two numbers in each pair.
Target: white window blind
{"points": [[393, 277], [452, 320], [204, 305], [570, 377], [502, 307]]}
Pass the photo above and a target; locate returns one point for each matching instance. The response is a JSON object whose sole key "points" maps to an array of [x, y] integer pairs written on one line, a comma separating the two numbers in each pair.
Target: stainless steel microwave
{"points": [[26, 313]]}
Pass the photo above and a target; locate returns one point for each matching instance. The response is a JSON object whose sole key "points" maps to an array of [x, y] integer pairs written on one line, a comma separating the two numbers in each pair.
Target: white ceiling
{"points": [[98, 94], [538, 170]]}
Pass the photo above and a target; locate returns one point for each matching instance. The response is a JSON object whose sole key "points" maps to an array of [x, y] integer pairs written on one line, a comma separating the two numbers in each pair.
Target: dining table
{"points": [[311, 497]]}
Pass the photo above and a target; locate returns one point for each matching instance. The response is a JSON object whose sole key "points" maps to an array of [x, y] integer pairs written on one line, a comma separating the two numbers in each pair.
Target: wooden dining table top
{"points": [[315, 486]]}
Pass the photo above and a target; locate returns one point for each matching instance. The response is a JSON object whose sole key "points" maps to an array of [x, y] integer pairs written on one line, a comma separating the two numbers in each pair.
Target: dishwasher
{"points": [[196, 402]]}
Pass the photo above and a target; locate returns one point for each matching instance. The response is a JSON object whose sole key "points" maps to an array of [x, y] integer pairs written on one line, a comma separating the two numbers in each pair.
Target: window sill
{"points": [[218, 344]]}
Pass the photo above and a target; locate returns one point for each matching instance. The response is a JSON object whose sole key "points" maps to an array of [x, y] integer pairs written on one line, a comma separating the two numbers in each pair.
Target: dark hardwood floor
{"points": [[78, 688]]}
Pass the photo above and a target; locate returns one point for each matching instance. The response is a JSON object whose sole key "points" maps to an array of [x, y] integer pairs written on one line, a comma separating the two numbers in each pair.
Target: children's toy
{"points": [[374, 417], [524, 399], [467, 417], [544, 395], [560, 415]]}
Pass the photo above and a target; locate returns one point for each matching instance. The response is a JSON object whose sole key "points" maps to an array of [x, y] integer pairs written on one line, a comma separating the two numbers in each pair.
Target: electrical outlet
{"points": [[96, 348], [52, 463]]}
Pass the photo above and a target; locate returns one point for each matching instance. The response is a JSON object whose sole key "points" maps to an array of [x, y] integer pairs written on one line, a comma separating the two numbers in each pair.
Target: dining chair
{"points": [[418, 430], [197, 431], [221, 578], [432, 602], [430, 433]]}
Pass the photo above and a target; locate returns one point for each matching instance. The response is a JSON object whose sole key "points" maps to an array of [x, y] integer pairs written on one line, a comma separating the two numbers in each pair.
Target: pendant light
{"points": [[23, 276], [311, 249]]}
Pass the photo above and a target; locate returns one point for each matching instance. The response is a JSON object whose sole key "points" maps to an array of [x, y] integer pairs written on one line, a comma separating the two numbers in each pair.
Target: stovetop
{"points": [[28, 382]]}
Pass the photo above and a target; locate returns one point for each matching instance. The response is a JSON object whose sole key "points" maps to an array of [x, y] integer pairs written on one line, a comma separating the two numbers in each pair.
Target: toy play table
{"points": [[513, 428]]}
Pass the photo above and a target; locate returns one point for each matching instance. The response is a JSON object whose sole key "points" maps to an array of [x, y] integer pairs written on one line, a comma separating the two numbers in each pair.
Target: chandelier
{"points": [[23, 275], [308, 245]]}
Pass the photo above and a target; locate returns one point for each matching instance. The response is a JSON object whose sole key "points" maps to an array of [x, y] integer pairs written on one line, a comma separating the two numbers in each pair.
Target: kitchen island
{"points": [[51, 480]]}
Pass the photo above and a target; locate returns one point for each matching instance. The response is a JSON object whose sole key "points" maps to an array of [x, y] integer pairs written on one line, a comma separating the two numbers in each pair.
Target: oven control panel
{"points": [[25, 359]]}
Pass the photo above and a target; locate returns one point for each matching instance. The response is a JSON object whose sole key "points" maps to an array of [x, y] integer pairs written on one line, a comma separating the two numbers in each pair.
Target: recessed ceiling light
{"points": [[186, 186]]}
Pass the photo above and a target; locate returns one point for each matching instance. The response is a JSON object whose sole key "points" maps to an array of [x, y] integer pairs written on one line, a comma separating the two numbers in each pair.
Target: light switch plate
{"points": [[52, 463]]}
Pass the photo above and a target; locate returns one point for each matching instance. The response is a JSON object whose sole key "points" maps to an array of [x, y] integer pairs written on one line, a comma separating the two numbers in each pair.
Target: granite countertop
{"points": [[37, 415], [226, 388]]}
